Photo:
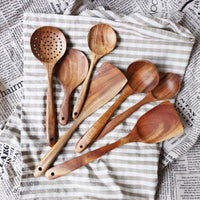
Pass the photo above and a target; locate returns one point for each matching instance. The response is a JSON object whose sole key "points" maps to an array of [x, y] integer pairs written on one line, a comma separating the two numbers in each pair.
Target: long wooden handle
{"points": [[121, 117], [64, 109], [51, 133], [82, 160], [51, 155], [84, 88], [96, 128], [90, 107]]}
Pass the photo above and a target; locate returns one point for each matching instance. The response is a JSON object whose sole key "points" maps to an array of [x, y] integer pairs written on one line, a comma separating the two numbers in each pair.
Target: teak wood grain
{"points": [[107, 82], [71, 72], [48, 45], [167, 88], [159, 124], [142, 77], [102, 40]]}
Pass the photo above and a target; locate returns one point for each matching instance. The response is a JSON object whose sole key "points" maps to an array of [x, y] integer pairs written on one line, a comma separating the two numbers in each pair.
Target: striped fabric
{"points": [[128, 172]]}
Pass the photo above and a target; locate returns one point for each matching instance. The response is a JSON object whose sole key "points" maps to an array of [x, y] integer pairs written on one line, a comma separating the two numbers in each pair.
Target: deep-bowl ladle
{"points": [[102, 40], [167, 88]]}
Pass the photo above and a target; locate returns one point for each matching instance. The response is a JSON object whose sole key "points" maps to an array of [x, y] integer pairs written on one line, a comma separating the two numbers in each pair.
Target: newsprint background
{"points": [[180, 179]]}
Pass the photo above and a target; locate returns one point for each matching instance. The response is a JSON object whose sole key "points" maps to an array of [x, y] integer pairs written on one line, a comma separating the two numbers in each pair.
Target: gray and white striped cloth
{"points": [[128, 172]]}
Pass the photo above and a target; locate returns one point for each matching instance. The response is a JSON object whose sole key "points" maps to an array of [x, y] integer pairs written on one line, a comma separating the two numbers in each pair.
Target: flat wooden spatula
{"points": [[107, 82], [160, 123]]}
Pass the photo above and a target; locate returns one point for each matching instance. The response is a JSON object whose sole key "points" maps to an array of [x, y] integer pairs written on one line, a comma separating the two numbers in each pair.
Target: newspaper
{"points": [[10, 172], [180, 179], [11, 52]]}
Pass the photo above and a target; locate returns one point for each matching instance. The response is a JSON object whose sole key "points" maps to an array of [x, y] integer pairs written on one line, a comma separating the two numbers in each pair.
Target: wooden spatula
{"points": [[71, 72], [159, 124], [107, 82], [142, 77]]}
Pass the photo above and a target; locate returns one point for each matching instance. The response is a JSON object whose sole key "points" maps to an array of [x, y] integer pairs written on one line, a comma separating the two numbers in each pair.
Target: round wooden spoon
{"points": [[142, 77], [159, 124], [167, 88], [71, 72], [48, 45], [102, 40]]}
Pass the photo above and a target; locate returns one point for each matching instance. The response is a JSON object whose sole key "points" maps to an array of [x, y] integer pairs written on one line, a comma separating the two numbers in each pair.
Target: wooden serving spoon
{"points": [[167, 88], [71, 72], [107, 82], [159, 124], [48, 45], [102, 40], [142, 77]]}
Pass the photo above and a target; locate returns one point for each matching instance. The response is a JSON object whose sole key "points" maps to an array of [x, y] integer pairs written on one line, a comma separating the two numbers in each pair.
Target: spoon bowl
{"points": [[48, 45], [168, 87], [101, 39], [142, 77]]}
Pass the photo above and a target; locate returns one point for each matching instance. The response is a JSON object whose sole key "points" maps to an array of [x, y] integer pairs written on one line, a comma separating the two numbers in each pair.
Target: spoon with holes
{"points": [[48, 45]]}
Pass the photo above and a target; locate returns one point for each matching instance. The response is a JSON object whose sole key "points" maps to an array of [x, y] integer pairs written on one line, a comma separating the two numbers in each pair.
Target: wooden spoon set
{"points": [[48, 44]]}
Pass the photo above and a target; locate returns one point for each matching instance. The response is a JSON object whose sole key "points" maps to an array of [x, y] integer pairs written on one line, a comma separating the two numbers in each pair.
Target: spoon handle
{"points": [[64, 109], [83, 92], [96, 128], [51, 135], [121, 117], [75, 163], [51, 155]]}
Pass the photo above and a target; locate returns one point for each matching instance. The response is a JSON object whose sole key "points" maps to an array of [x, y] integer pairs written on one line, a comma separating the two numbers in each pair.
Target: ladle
{"points": [[106, 83], [167, 88], [159, 124], [102, 40], [71, 72], [48, 45], [142, 77]]}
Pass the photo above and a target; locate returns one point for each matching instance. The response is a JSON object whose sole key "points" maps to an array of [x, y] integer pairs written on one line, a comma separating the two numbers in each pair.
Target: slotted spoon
{"points": [[48, 45]]}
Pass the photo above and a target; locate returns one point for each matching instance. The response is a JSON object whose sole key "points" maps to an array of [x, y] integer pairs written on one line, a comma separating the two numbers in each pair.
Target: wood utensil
{"points": [[102, 40], [159, 124], [71, 72], [107, 82], [167, 88], [142, 77], [48, 45]]}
